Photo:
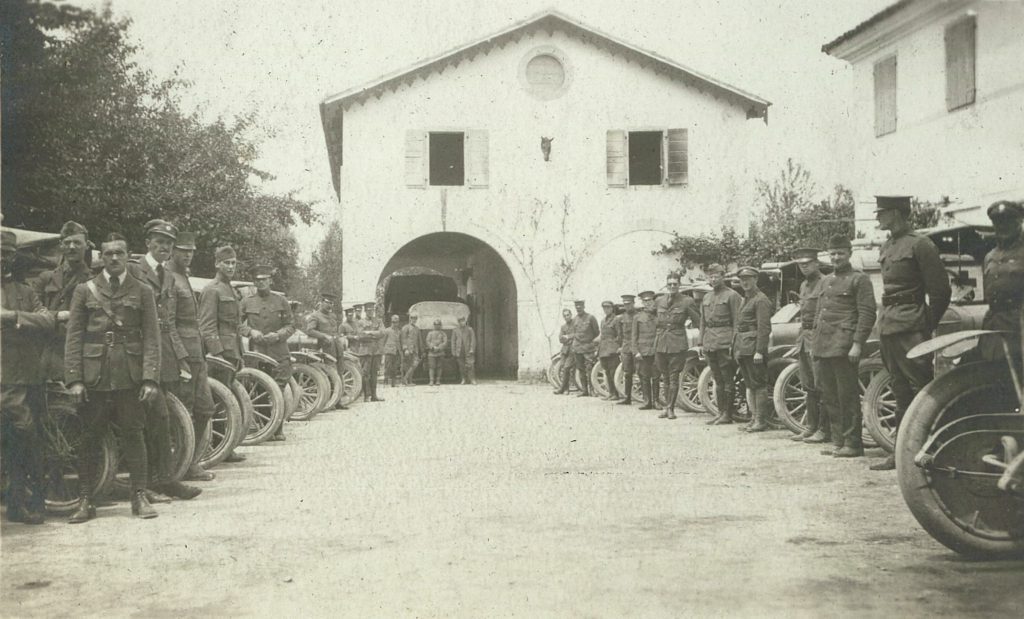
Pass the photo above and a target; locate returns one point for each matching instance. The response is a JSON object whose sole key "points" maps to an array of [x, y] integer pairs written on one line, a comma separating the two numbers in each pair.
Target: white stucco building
{"points": [[936, 104], [445, 189]]}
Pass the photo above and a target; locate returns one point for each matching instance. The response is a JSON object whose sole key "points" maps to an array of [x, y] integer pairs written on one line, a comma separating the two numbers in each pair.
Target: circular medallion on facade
{"points": [[544, 73]]}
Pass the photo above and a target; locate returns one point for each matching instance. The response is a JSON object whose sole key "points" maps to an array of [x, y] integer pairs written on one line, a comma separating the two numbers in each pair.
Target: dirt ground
{"points": [[505, 500]]}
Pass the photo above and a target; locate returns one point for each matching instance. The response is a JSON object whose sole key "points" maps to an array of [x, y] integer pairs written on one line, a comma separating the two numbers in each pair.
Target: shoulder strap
{"points": [[91, 284]]}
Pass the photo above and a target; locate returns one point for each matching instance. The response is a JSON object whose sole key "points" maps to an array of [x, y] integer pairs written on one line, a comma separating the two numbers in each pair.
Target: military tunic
{"points": [[195, 395], [54, 289], [719, 314], [171, 348], [611, 337], [584, 331], [754, 327], [324, 329], [1004, 289], [912, 268], [464, 351], [409, 338], [626, 350], [220, 320], [810, 292], [22, 369], [271, 315], [671, 313]]}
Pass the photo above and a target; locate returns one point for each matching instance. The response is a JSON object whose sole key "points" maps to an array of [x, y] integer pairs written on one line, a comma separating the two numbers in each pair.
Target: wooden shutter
{"points": [[617, 158], [677, 170], [477, 158], [960, 46], [416, 155], [885, 96]]}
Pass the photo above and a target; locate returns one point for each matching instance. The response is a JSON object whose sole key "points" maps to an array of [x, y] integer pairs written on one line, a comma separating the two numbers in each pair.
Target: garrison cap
{"points": [[839, 241], [607, 304], [805, 254], [226, 252], [8, 240], [899, 203], [159, 226], [262, 271], [71, 228], [647, 295], [715, 268], [1004, 209], [185, 240], [747, 271]]}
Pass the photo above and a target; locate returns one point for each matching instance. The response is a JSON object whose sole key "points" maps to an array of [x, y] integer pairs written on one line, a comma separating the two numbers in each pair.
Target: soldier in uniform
{"points": [[464, 351], [25, 327], [584, 331], [54, 289], [369, 333], [268, 323], [194, 393], [1004, 281], [626, 350], [409, 338], [719, 315], [392, 347], [671, 342], [916, 293], [437, 341], [568, 365], [818, 429], [846, 314], [642, 339], [608, 347], [750, 347], [150, 270], [112, 369], [322, 326]]}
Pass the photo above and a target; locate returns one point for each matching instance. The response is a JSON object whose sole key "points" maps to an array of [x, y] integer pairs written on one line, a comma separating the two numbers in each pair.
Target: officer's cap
{"points": [[899, 203], [262, 271], [607, 304], [326, 296], [226, 252], [349, 310], [159, 226], [839, 241], [437, 322], [715, 268], [579, 302], [647, 295], [628, 298], [71, 228], [805, 254], [371, 305], [8, 240], [747, 271], [185, 240], [1004, 209]]}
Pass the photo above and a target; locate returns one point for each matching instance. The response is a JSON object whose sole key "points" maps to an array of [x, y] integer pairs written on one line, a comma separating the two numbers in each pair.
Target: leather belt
{"points": [[746, 330], [902, 298], [113, 337], [715, 325]]}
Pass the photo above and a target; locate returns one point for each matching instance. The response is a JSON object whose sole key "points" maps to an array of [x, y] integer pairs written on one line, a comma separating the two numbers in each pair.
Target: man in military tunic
{"points": [[846, 314], [464, 351], [150, 270], [219, 320], [268, 323], [750, 347], [437, 343], [25, 327], [568, 365], [1004, 282], [112, 369], [916, 293], [368, 331], [322, 326], [54, 289], [409, 338], [608, 347], [671, 342], [626, 350], [642, 339], [194, 393], [584, 347], [817, 428], [391, 346], [719, 315]]}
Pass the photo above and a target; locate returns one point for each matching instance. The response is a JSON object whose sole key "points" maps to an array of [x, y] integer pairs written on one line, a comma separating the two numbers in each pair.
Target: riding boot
{"points": [[760, 415], [811, 418], [645, 390], [86, 509], [196, 472], [141, 506], [564, 387], [628, 399], [656, 388], [584, 385]]}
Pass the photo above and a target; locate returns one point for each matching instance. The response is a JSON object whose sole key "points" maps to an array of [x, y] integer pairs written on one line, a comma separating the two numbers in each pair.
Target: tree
{"points": [[325, 268], [89, 135]]}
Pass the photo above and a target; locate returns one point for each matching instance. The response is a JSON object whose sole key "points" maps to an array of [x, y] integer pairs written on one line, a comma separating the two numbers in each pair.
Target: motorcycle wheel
{"points": [[966, 513], [599, 381], [224, 427], [790, 399], [352, 382], [182, 435], [62, 433], [688, 397], [267, 404], [878, 406], [706, 392], [337, 388], [245, 405], [314, 391]]}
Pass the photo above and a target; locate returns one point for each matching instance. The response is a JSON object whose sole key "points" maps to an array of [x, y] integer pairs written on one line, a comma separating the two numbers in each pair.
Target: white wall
{"points": [[380, 214]]}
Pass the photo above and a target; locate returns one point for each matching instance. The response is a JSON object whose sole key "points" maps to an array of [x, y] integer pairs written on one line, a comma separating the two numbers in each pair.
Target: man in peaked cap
{"points": [[322, 325], [719, 315], [437, 344], [54, 289], [25, 326], [412, 353], [268, 323], [608, 347], [368, 336], [916, 293], [846, 315], [567, 363], [816, 426], [671, 342], [464, 351], [750, 347], [642, 337], [392, 349], [1004, 280], [626, 349], [584, 331]]}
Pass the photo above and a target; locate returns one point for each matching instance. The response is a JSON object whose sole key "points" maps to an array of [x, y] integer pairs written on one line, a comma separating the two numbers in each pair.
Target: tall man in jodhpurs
{"points": [[112, 369], [412, 352], [626, 351], [194, 393], [643, 335], [151, 270], [584, 347], [816, 425], [671, 342], [568, 365], [369, 337], [750, 347], [719, 315], [846, 314], [608, 347], [916, 294], [464, 351], [25, 326]]}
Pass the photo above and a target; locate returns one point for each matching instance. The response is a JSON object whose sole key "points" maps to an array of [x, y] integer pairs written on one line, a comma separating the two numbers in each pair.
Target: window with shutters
{"points": [[885, 96], [960, 55], [446, 158], [647, 157]]}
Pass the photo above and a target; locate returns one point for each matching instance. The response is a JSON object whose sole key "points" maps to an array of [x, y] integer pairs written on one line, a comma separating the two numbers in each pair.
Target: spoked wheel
{"points": [[555, 374], [706, 392], [290, 401], [599, 381], [267, 405], [948, 454], [62, 435], [314, 391], [688, 397], [790, 399], [878, 405], [248, 412], [337, 388], [352, 382], [620, 383], [182, 436], [224, 427], [866, 371]]}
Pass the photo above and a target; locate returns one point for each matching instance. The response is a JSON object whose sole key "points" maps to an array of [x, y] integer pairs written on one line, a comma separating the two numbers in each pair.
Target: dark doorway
{"points": [[447, 159]]}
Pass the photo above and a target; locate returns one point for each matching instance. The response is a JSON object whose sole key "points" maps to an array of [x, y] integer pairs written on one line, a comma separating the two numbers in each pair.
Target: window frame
{"points": [[879, 128], [963, 97], [674, 159]]}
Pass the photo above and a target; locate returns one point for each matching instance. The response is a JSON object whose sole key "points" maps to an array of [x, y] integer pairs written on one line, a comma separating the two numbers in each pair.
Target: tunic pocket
{"points": [[93, 358]]}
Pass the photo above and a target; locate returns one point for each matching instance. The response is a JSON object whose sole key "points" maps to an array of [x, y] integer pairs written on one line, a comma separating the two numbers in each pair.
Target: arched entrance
{"points": [[451, 266]]}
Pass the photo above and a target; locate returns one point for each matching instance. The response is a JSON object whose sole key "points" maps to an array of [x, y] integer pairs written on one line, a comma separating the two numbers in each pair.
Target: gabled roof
{"points": [[865, 25], [332, 108]]}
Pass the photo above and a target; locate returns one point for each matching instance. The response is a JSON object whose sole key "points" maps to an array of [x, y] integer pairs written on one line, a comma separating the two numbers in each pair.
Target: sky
{"points": [[279, 59]]}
